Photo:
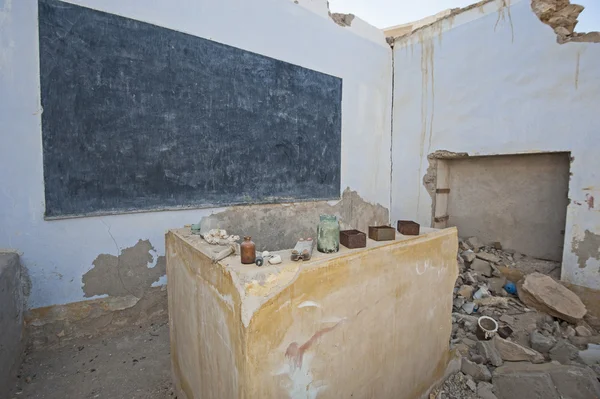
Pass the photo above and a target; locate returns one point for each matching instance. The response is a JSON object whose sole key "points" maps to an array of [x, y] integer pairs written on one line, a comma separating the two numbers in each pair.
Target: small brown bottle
{"points": [[248, 251]]}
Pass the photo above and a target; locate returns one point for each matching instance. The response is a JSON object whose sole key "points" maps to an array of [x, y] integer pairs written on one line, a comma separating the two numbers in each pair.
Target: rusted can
{"points": [[353, 239], [382, 233], [408, 228], [248, 251]]}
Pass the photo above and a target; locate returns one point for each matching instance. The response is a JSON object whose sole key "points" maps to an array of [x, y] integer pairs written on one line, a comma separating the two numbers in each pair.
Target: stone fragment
{"points": [[564, 352], [462, 349], [474, 357], [514, 352], [511, 273], [469, 307], [488, 257], [544, 381], [466, 291], [468, 278], [458, 302], [497, 284], [488, 350], [485, 390], [507, 319], [474, 243], [540, 342], [546, 295], [583, 331], [592, 321], [477, 371], [482, 267], [471, 384], [569, 332], [468, 256], [583, 341]]}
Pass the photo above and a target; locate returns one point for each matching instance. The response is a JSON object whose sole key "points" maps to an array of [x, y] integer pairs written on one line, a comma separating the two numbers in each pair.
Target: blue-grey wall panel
{"points": [[139, 117]]}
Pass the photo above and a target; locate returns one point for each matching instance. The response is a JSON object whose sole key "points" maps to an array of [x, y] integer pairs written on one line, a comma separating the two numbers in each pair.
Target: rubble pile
{"points": [[544, 336]]}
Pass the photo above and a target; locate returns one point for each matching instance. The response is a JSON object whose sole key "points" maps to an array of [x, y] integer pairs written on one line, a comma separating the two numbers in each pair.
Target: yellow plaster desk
{"points": [[361, 323]]}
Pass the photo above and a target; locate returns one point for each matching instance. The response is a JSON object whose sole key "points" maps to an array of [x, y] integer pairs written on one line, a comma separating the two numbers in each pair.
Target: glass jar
{"points": [[248, 251], [328, 234]]}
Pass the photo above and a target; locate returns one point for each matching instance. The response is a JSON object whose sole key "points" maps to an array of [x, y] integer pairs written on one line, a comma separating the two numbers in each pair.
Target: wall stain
{"points": [[586, 248], [589, 200], [279, 226], [427, 96], [503, 14], [126, 274]]}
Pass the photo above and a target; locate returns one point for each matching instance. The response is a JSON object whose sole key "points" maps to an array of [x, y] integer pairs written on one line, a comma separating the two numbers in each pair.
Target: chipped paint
{"points": [[337, 307], [586, 247], [271, 229], [129, 273]]}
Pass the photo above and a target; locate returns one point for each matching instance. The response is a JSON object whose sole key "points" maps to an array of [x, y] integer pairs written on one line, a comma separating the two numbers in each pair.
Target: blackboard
{"points": [[138, 117]]}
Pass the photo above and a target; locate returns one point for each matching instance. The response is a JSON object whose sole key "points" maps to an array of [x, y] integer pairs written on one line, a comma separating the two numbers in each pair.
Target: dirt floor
{"points": [[132, 364]]}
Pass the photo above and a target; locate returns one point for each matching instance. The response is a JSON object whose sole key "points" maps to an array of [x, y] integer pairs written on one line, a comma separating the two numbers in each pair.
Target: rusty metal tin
{"points": [[382, 233], [353, 239], [408, 227]]}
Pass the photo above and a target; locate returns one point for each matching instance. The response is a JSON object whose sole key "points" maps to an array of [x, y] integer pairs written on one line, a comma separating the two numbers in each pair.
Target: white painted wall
{"points": [[492, 82], [57, 253]]}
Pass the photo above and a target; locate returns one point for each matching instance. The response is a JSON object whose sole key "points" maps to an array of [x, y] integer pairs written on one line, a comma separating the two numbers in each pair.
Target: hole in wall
{"points": [[519, 201]]}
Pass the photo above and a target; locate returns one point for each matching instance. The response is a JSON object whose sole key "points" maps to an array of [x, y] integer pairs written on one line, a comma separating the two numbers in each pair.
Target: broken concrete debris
{"points": [[543, 293], [479, 372], [543, 328], [511, 351]]}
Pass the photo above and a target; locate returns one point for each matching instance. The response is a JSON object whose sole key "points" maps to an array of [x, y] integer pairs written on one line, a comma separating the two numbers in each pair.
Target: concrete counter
{"points": [[361, 323]]}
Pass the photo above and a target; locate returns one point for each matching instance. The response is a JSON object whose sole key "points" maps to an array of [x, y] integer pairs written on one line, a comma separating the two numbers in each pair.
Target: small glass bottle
{"points": [[248, 251], [328, 234]]}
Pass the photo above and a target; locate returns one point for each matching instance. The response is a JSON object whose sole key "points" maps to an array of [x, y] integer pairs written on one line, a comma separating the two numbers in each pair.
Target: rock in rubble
{"points": [[544, 381], [474, 243], [485, 390], [458, 303], [482, 267], [541, 343], [468, 256], [488, 350], [466, 291], [592, 321], [497, 284], [478, 371], [564, 352], [488, 257], [583, 331], [544, 294], [514, 352]]}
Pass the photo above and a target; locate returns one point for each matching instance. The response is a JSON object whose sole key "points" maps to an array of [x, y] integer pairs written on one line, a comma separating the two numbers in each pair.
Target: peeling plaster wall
{"points": [[494, 80], [59, 253]]}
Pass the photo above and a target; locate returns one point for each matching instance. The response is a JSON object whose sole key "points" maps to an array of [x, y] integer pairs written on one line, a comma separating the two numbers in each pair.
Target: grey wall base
{"points": [[11, 319]]}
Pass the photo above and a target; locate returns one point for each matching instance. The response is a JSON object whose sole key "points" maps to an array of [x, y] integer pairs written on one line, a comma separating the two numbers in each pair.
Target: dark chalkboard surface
{"points": [[139, 117]]}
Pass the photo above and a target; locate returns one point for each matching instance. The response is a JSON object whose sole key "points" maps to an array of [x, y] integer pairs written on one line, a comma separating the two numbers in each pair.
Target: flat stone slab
{"points": [[544, 294], [544, 381]]}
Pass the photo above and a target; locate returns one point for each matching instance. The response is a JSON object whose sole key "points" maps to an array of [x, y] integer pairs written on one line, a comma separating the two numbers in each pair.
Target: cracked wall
{"points": [[499, 85], [129, 273], [275, 227], [562, 16]]}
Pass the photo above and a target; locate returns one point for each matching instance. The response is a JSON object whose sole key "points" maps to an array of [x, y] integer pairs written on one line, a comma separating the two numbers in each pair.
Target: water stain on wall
{"points": [[275, 227], [126, 274], [586, 248]]}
